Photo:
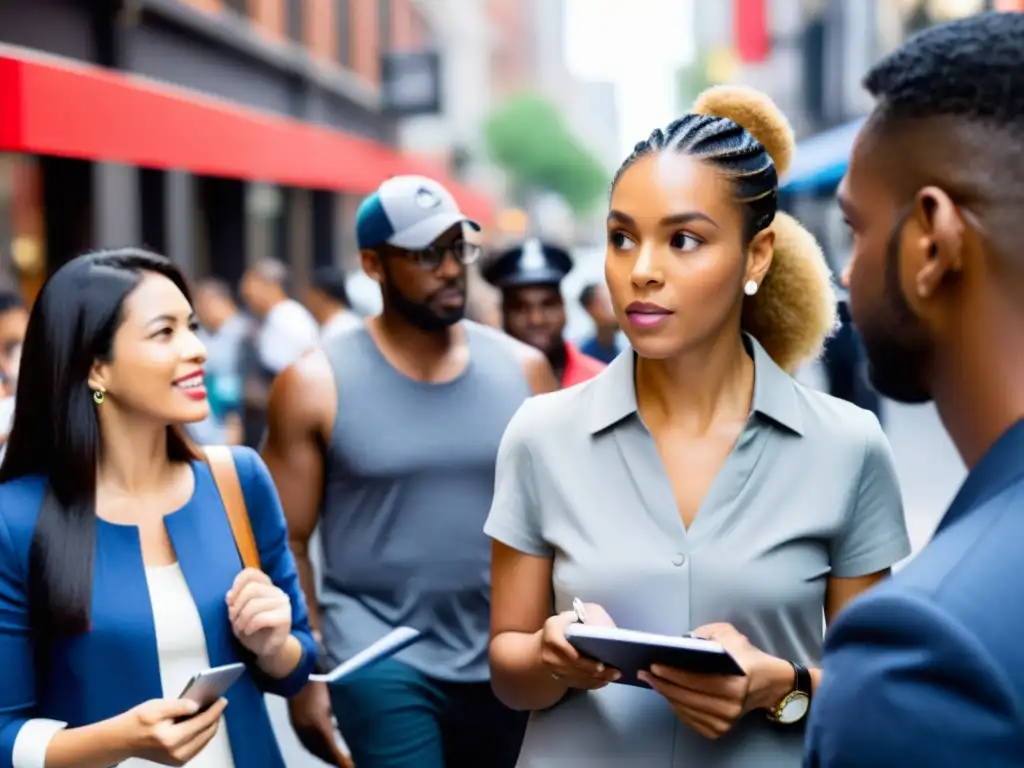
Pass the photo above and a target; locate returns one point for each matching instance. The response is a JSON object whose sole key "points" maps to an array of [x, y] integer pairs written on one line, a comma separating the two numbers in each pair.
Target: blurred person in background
{"points": [[327, 300], [846, 365], [224, 332], [694, 485], [120, 577], [13, 321], [387, 437], [928, 669], [529, 277], [604, 345], [285, 331]]}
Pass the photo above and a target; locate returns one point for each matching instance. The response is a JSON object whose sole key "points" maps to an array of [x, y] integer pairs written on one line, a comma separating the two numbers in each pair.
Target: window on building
{"points": [[238, 6], [265, 213], [343, 20], [294, 20]]}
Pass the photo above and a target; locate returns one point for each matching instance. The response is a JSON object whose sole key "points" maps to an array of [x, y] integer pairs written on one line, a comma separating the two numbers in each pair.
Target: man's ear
{"points": [[934, 249], [372, 265]]}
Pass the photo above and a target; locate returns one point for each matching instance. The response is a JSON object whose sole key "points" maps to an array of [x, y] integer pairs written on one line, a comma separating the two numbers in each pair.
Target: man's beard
{"points": [[897, 345], [421, 315]]}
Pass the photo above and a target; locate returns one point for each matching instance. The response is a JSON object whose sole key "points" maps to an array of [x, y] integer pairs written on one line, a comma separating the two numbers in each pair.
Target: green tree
{"points": [[691, 80], [527, 138]]}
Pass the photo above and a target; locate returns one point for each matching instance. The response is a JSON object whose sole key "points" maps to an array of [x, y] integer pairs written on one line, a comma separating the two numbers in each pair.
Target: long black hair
{"points": [[56, 433]]}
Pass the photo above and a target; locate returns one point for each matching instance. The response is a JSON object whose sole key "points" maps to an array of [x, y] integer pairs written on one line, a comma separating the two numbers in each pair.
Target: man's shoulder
{"points": [[291, 317], [306, 389], [312, 368], [972, 567], [929, 662], [954, 592], [494, 338], [504, 347], [902, 676]]}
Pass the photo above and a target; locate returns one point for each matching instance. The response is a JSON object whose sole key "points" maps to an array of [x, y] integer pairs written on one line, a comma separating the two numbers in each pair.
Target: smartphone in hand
{"points": [[206, 688]]}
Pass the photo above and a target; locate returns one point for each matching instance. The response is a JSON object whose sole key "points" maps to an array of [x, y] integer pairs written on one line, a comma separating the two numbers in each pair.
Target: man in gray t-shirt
{"points": [[387, 437]]}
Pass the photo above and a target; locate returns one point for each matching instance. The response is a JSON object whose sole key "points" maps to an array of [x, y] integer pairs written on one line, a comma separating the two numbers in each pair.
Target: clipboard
{"points": [[394, 641], [632, 652]]}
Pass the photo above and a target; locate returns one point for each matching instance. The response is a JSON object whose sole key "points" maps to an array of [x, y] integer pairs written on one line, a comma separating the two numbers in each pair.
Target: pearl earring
{"points": [[750, 288]]}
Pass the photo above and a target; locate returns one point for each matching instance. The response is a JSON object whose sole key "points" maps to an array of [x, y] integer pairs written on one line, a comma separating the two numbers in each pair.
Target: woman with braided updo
{"points": [[694, 485]]}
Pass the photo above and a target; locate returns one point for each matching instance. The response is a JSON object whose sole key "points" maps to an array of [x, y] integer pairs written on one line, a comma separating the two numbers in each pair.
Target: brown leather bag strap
{"points": [[225, 475]]}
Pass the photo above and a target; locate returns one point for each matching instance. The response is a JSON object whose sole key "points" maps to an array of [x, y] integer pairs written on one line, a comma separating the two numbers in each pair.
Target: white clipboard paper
{"points": [[394, 641]]}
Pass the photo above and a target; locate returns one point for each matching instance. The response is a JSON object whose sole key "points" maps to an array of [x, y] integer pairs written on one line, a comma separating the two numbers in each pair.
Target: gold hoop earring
{"points": [[97, 397]]}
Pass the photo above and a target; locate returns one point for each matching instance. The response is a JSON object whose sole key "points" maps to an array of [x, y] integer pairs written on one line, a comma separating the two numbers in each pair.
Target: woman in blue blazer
{"points": [[119, 573]]}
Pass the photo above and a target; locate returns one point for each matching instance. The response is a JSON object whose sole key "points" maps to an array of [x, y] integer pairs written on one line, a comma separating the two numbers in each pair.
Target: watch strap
{"points": [[801, 685], [803, 678]]}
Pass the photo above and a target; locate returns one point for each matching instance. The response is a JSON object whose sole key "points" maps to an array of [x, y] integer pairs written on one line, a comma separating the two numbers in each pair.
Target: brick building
{"points": [[216, 131]]}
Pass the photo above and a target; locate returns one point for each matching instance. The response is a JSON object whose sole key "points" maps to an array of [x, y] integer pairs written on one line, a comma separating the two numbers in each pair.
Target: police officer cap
{"points": [[532, 263]]}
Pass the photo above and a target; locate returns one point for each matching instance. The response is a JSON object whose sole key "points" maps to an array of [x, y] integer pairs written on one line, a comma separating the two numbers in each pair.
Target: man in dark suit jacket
{"points": [[928, 668]]}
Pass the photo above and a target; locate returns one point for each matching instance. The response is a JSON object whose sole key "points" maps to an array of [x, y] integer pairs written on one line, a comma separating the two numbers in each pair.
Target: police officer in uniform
{"points": [[533, 311]]}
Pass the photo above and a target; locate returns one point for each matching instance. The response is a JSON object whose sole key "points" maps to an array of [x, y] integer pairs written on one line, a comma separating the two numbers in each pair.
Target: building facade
{"points": [[216, 131], [811, 56]]}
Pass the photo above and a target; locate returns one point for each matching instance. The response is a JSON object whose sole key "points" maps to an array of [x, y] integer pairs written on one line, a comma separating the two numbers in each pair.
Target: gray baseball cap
{"points": [[408, 212]]}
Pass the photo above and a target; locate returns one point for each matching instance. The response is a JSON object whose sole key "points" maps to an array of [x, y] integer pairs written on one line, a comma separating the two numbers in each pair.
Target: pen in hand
{"points": [[581, 612]]}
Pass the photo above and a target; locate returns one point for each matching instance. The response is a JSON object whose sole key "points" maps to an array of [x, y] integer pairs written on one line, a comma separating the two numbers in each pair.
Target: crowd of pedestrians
{"points": [[492, 487]]}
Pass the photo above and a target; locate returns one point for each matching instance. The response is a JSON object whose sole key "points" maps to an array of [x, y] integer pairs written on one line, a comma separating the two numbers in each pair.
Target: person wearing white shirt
{"points": [[327, 299], [286, 331]]}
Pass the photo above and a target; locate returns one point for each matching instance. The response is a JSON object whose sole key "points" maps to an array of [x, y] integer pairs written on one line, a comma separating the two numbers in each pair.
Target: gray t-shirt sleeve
{"points": [[875, 534], [514, 517]]}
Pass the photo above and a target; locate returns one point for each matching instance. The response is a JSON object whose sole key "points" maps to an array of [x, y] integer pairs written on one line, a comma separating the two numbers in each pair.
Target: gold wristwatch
{"points": [[797, 703]]}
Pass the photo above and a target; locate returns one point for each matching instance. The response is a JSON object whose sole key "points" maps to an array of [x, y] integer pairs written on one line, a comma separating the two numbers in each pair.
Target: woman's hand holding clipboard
{"points": [[635, 652], [566, 664], [630, 653]]}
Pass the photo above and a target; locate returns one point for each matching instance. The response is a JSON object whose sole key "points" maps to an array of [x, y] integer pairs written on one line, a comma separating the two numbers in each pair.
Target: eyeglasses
{"points": [[432, 258]]}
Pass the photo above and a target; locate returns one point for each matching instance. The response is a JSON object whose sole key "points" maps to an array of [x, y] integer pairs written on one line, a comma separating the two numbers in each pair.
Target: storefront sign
{"points": [[411, 83]]}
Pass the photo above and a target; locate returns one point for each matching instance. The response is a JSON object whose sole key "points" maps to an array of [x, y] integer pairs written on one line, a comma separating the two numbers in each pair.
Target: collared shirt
{"points": [[809, 491], [578, 366]]}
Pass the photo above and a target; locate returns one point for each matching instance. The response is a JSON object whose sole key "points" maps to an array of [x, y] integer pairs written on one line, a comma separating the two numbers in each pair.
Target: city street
{"points": [[930, 473], [294, 167], [929, 468]]}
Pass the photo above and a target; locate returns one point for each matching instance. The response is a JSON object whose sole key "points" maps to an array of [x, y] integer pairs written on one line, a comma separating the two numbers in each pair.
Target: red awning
{"points": [[51, 106]]}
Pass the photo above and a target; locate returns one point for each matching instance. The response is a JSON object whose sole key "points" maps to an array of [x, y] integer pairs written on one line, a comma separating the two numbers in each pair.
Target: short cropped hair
{"points": [[969, 68]]}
